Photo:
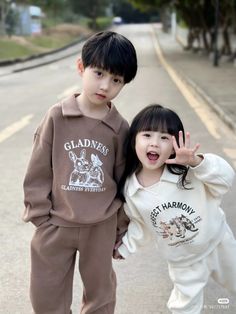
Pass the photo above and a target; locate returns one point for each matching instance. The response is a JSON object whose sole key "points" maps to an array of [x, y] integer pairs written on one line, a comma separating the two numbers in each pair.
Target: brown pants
{"points": [[53, 255]]}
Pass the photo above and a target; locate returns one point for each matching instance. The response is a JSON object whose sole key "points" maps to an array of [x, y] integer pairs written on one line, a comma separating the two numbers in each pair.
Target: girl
{"points": [[174, 196]]}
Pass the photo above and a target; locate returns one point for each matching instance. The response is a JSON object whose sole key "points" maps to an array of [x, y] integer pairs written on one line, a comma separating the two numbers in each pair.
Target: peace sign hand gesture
{"points": [[185, 155]]}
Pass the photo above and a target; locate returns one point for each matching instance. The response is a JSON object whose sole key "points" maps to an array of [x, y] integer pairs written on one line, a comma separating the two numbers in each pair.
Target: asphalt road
{"points": [[143, 283]]}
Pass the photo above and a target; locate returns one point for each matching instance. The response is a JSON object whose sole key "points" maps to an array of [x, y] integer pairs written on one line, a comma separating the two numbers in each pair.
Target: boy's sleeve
{"points": [[122, 218], [120, 152], [38, 179], [122, 223]]}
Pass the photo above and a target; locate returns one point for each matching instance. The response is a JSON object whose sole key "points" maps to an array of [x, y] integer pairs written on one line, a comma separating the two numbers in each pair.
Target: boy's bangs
{"points": [[108, 60]]}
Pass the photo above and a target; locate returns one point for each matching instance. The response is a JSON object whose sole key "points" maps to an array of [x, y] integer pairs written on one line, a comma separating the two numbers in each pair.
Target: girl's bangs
{"points": [[156, 124]]}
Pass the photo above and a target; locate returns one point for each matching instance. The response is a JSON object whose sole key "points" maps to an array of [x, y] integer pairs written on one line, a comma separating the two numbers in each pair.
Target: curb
{"points": [[209, 101], [41, 63], [40, 55]]}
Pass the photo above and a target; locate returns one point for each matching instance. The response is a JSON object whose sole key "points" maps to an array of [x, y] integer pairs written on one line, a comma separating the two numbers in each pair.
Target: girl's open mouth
{"points": [[152, 156]]}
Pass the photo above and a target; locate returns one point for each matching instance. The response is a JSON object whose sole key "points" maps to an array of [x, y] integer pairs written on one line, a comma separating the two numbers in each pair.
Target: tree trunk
{"points": [[2, 18], [205, 40], [226, 48]]}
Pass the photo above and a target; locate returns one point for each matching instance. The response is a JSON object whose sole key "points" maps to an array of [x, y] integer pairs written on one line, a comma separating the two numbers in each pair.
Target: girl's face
{"points": [[153, 148]]}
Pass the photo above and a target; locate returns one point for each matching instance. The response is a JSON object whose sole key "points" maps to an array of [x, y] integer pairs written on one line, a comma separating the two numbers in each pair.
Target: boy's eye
{"points": [[98, 73], [117, 80]]}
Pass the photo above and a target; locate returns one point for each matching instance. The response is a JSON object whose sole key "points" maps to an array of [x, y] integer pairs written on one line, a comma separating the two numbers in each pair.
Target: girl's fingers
{"points": [[181, 140], [175, 145], [196, 148], [187, 140], [183, 150]]}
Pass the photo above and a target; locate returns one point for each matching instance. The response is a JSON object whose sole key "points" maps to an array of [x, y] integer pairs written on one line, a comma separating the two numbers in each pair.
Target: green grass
{"points": [[51, 42], [51, 39], [103, 22], [10, 49]]}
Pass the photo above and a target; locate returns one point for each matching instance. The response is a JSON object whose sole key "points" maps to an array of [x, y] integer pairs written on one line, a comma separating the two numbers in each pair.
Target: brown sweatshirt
{"points": [[75, 166]]}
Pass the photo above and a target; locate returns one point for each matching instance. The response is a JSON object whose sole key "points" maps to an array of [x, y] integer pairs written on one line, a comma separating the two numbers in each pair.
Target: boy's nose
{"points": [[104, 84]]}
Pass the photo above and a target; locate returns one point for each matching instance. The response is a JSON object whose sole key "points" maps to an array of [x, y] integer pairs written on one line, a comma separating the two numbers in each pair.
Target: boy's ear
{"points": [[80, 66]]}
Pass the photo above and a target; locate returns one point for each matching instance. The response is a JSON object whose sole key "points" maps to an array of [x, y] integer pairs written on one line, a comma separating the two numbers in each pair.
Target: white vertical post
{"points": [[173, 24]]}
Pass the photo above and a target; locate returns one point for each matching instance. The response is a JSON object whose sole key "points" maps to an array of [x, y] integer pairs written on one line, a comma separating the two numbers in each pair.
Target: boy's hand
{"points": [[116, 254], [185, 155]]}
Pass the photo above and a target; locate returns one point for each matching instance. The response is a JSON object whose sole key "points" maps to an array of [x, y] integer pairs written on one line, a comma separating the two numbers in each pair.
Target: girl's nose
{"points": [[154, 144], [155, 141]]}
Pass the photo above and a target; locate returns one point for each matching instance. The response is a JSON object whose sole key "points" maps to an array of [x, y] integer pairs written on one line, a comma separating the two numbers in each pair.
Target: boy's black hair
{"points": [[112, 52], [153, 118]]}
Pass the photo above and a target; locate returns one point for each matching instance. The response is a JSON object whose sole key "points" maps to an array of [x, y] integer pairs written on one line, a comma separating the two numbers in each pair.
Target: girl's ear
{"points": [[80, 66]]}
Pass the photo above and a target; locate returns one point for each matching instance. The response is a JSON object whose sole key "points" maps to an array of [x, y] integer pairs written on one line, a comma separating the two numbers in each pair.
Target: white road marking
{"points": [[231, 152], [15, 127], [23, 122], [68, 92]]}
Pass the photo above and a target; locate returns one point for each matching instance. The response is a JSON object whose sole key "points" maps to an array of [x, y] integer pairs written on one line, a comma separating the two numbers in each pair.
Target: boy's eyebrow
{"points": [[114, 74], [119, 75]]}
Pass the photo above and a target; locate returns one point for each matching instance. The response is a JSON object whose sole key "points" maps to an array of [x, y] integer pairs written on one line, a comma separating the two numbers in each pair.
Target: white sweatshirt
{"points": [[187, 224]]}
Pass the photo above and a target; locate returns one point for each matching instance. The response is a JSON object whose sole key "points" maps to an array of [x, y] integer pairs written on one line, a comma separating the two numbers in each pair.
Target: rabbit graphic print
{"points": [[85, 173], [85, 166]]}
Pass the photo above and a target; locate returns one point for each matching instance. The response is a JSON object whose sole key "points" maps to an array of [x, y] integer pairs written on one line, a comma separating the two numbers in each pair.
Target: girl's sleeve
{"points": [[38, 179], [215, 173], [137, 234]]}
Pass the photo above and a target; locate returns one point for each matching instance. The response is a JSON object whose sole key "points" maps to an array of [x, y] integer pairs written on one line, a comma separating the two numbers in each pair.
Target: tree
{"points": [[4, 8], [11, 21], [90, 8], [199, 16], [163, 8], [130, 14]]}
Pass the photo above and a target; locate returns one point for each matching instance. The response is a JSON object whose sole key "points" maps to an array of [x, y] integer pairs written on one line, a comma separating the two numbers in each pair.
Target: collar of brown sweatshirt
{"points": [[112, 119]]}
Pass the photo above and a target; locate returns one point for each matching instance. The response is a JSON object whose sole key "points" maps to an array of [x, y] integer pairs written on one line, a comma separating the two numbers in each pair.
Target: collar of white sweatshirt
{"points": [[134, 185]]}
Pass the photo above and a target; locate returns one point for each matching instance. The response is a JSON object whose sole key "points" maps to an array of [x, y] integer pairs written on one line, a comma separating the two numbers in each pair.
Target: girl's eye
{"points": [[146, 135], [165, 137]]}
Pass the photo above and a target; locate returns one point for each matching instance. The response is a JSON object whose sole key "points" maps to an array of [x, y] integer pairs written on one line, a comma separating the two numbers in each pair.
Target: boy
{"points": [[71, 183]]}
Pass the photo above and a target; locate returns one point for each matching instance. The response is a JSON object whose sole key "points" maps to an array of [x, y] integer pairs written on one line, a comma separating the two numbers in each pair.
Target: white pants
{"points": [[189, 282]]}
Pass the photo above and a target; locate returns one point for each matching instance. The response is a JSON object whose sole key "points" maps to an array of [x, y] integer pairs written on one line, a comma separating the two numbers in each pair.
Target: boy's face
{"points": [[99, 86]]}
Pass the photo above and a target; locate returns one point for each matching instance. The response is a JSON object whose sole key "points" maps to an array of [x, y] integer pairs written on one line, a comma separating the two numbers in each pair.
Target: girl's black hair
{"points": [[153, 118], [112, 52]]}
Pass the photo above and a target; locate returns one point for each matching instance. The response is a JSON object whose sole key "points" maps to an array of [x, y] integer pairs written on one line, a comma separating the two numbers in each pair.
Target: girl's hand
{"points": [[185, 155]]}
